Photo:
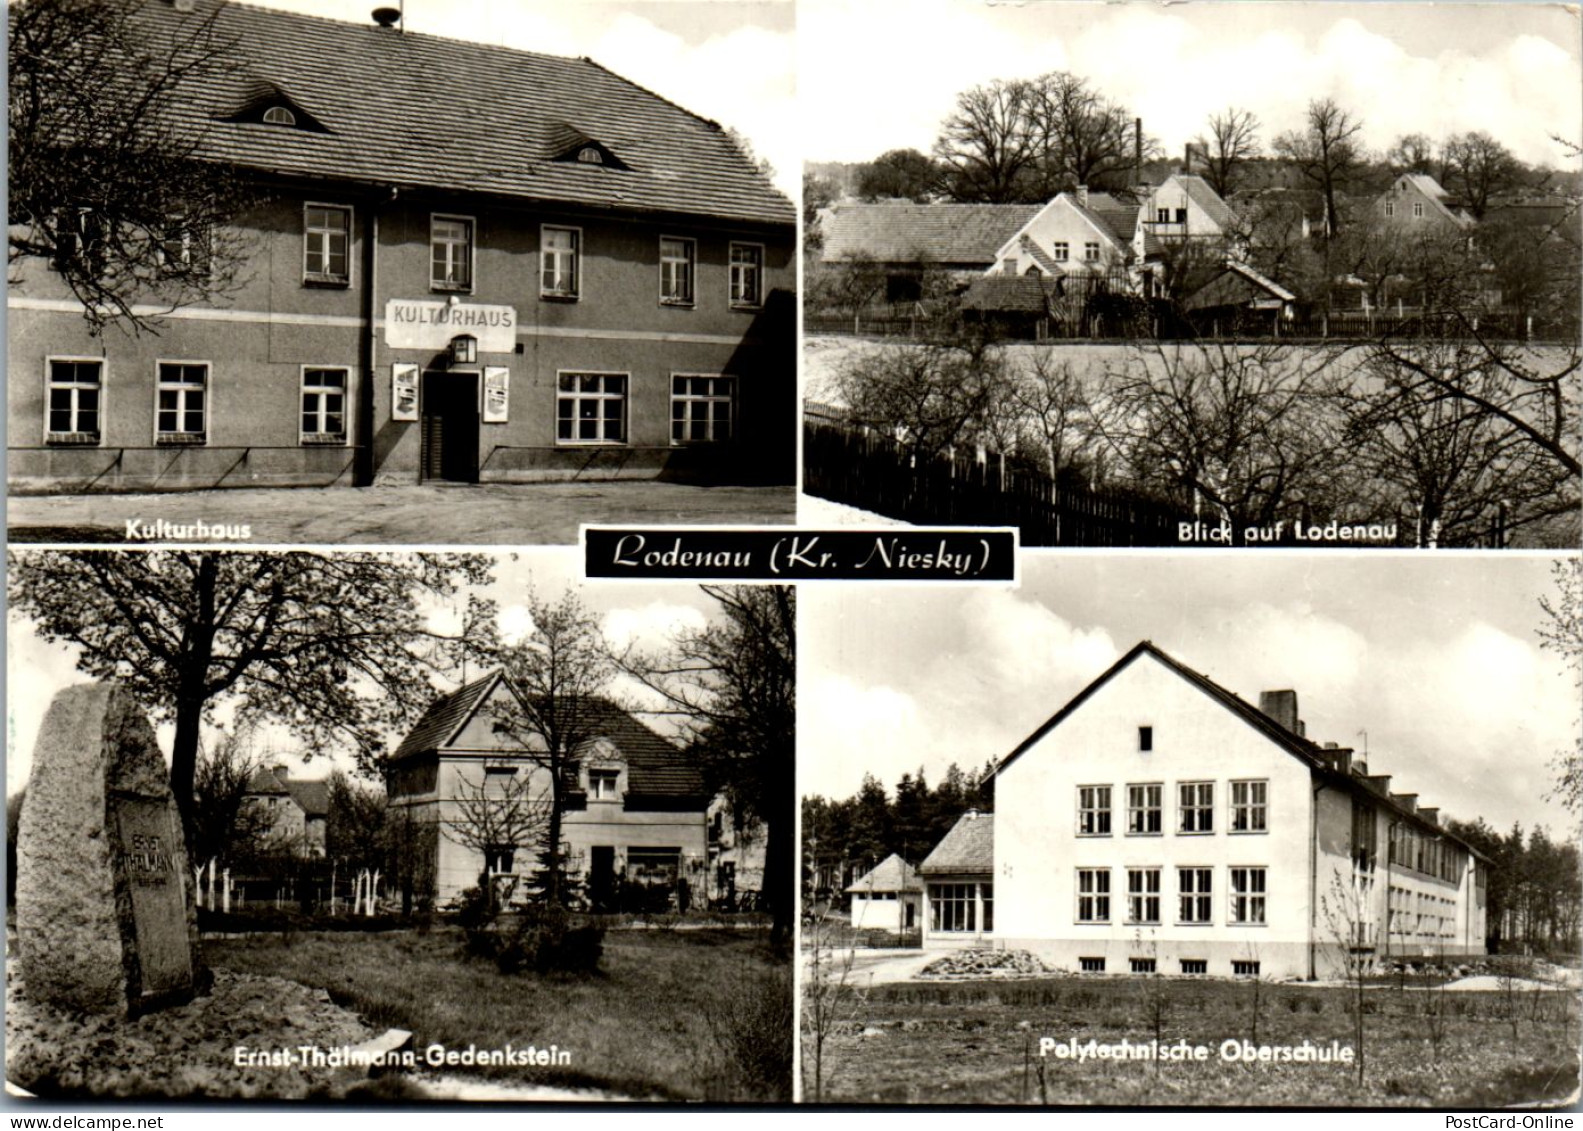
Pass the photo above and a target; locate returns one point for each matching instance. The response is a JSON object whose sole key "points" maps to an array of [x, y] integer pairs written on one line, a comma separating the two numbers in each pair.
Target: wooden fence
{"points": [[860, 468]]}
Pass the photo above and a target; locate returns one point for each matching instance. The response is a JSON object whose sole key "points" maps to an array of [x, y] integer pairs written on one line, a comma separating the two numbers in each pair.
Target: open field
{"points": [[685, 1015], [978, 1042]]}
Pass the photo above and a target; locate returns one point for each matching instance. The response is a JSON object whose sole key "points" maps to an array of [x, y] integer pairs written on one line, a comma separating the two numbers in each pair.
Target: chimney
{"points": [[1360, 767], [387, 17], [1187, 158], [1082, 195], [1137, 151], [281, 771], [1408, 801], [1282, 707], [1379, 783], [1430, 814]]}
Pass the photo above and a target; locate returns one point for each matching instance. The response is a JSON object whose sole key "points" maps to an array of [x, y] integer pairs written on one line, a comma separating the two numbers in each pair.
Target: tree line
{"points": [[1533, 890]]}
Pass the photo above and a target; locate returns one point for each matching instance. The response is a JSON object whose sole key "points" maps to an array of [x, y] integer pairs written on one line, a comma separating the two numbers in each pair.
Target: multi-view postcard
{"points": [[750, 553]]}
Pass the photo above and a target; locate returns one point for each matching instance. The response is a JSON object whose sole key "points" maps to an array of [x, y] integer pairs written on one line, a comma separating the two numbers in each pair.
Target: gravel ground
{"points": [[488, 514]]}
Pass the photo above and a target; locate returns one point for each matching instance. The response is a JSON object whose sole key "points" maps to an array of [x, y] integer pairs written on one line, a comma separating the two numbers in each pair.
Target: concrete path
{"points": [[492, 514], [876, 967]]}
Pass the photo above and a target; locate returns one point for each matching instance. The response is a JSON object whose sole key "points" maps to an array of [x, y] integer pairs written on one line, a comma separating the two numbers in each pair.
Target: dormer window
{"points": [[602, 784], [588, 155], [279, 116]]}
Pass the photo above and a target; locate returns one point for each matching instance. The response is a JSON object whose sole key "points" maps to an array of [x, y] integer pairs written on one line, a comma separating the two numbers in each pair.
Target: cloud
{"points": [[652, 625]]}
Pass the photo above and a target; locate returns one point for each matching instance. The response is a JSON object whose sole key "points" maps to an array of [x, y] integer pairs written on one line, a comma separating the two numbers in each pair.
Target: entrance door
{"points": [[450, 427], [602, 877]]}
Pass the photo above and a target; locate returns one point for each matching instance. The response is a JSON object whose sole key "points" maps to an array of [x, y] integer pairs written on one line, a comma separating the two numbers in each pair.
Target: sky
{"points": [[730, 60], [646, 616], [882, 74], [1434, 656]]}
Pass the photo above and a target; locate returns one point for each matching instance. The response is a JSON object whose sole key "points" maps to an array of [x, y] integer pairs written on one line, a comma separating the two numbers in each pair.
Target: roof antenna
{"points": [[1365, 736]]}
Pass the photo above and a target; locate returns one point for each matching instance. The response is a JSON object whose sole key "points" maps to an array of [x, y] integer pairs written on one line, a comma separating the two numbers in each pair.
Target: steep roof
{"points": [[968, 847], [891, 874], [656, 768], [265, 780], [413, 110], [914, 233], [313, 796], [1203, 194], [1117, 217], [1310, 753]]}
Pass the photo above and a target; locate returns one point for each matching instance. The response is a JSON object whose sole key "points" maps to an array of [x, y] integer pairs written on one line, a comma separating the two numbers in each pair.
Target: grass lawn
{"points": [[978, 1042], [696, 1014]]}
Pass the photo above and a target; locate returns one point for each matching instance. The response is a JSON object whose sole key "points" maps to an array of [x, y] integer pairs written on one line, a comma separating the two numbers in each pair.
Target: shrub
{"points": [[543, 940]]}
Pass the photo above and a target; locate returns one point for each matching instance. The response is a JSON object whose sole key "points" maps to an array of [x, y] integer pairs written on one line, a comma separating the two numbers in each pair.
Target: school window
{"points": [[591, 408], [702, 409], [324, 406], [75, 400], [747, 274], [326, 240], [1195, 887], [602, 784], [558, 266], [1143, 895], [951, 907], [498, 859], [1195, 804], [1195, 966], [1063, 251], [1093, 895], [1247, 895], [1091, 965], [1249, 806], [182, 402], [677, 260], [1093, 810], [1091, 252], [1243, 968], [1143, 809], [1145, 739], [1142, 965], [450, 253]]}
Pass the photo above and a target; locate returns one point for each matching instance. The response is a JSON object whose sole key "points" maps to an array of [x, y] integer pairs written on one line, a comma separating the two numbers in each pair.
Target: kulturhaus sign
{"points": [[423, 324]]}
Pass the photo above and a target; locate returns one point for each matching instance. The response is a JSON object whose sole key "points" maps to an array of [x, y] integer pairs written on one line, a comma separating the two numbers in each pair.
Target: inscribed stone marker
{"points": [[104, 919]]}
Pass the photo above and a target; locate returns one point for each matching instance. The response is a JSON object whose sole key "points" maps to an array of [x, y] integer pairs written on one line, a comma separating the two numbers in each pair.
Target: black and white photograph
{"points": [[1196, 830], [1194, 275], [373, 827], [293, 272]]}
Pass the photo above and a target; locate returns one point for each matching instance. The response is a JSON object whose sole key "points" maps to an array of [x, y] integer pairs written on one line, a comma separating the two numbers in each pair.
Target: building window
{"points": [[1091, 252], [1195, 802], [1247, 895], [1390, 208], [986, 898], [1143, 810], [558, 262], [1091, 965], [182, 402], [1093, 810], [951, 907], [1195, 886], [1143, 965], [1162, 215], [1063, 251], [702, 409], [450, 253], [1418, 210], [677, 260], [1145, 739], [279, 116], [1143, 895], [324, 406], [592, 408], [1249, 804], [326, 240], [1181, 216], [75, 399], [498, 859], [1093, 895], [602, 784], [747, 274], [1195, 966], [1008, 266]]}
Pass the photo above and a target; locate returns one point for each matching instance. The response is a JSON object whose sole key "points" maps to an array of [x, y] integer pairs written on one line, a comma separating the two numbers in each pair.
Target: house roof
{"points": [[1018, 294], [411, 110], [1118, 218], [1235, 285], [312, 795], [266, 780], [656, 768], [917, 233], [968, 847], [1310, 753], [1203, 194], [891, 874]]}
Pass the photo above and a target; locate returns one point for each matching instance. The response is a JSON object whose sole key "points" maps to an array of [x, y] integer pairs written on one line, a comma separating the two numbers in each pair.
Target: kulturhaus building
{"points": [[465, 263]]}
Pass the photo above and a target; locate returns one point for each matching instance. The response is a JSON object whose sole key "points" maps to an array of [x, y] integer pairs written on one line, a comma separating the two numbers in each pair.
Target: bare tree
{"points": [[1081, 136], [225, 825], [986, 145], [505, 811], [1562, 633], [1232, 142], [903, 174], [1478, 167], [105, 184], [830, 1000], [1347, 910], [1052, 400], [1326, 151], [850, 285], [1411, 153]]}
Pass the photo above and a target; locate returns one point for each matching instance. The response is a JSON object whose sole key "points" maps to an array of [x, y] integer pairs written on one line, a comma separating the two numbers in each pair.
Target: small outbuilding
{"points": [[889, 898]]}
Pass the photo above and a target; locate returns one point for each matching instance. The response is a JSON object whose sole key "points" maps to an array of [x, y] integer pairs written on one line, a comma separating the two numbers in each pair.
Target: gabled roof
{"points": [[1237, 284], [1309, 753], [1015, 294], [265, 780], [969, 847], [891, 874], [410, 110], [1203, 194], [1438, 197], [656, 768], [946, 234], [1043, 258], [1110, 216], [312, 795]]}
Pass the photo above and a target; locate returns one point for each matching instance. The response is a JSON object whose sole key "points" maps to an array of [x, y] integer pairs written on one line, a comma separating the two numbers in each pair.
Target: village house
{"points": [[635, 806], [887, 898], [1417, 202], [467, 264], [1201, 835], [908, 242], [297, 808], [737, 848]]}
